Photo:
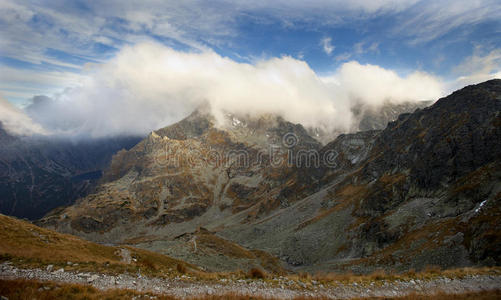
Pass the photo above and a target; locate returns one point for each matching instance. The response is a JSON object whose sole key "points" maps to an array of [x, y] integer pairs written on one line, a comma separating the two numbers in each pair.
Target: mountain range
{"points": [[424, 190], [38, 174]]}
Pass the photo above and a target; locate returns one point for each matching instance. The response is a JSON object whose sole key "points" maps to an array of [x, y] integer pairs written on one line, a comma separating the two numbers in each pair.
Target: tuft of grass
{"points": [[181, 268], [257, 273], [378, 275], [431, 269]]}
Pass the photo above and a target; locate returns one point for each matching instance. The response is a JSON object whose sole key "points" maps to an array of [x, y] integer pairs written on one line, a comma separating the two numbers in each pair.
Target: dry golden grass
{"points": [[427, 273], [28, 246], [30, 289], [181, 268], [31, 246], [269, 262], [211, 242], [257, 273], [484, 295], [223, 246]]}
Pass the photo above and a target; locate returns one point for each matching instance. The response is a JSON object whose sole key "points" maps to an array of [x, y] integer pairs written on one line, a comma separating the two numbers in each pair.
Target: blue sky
{"points": [[46, 45]]}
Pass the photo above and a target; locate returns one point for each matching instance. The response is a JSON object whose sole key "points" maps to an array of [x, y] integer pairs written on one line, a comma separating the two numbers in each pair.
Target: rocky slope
{"points": [[36, 262], [193, 172], [38, 174], [377, 118], [426, 193], [423, 191]]}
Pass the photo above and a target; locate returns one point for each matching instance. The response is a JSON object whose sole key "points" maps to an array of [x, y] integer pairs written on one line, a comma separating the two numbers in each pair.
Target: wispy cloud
{"points": [[327, 45], [21, 84], [478, 67], [343, 56], [430, 20], [96, 31], [358, 49]]}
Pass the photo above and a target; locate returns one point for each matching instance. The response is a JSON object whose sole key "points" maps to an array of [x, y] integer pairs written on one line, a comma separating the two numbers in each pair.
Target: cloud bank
{"points": [[148, 86]]}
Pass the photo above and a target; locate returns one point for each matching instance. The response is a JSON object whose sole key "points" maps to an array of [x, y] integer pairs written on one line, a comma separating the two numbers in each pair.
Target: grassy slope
{"points": [[28, 245]]}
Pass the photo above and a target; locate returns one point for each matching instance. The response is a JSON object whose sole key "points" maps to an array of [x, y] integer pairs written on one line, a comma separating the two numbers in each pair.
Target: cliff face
{"points": [[425, 190]]}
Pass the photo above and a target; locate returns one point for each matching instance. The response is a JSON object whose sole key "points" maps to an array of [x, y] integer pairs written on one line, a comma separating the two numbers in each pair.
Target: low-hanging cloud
{"points": [[148, 86], [16, 122]]}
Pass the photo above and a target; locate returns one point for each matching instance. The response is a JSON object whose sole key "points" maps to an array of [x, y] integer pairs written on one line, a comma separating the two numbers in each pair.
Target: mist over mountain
{"points": [[148, 86], [370, 195], [250, 149]]}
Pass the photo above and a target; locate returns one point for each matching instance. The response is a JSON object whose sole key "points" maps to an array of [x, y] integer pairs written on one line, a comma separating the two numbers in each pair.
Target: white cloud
{"points": [[16, 122], [21, 84], [360, 48], [478, 68], [327, 45], [149, 86], [29, 29], [372, 85], [343, 56], [429, 20]]}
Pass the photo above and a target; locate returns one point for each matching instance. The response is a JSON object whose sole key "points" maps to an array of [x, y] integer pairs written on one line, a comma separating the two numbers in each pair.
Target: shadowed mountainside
{"points": [[38, 174]]}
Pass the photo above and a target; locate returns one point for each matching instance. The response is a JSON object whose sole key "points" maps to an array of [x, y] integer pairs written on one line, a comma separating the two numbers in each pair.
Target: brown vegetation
{"points": [[429, 272], [30, 289], [31, 246], [181, 268], [257, 273]]}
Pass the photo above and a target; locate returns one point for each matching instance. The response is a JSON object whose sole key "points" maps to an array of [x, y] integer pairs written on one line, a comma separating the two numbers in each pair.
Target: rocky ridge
{"points": [[423, 191]]}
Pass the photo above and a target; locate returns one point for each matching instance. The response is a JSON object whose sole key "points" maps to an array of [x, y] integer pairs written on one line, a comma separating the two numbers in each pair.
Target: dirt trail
{"points": [[283, 288]]}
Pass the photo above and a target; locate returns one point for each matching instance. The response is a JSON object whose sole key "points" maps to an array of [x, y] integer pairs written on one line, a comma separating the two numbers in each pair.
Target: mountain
{"points": [[38, 174], [367, 117], [423, 191], [376, 118], [196, 171], [37, 263]]}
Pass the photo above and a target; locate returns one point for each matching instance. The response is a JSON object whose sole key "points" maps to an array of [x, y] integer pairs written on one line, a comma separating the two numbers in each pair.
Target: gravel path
{"points": [[185, 286]]}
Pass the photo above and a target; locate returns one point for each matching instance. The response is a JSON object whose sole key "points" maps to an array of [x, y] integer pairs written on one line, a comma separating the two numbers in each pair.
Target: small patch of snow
{"points": [[236, 121], [480, 206]]}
